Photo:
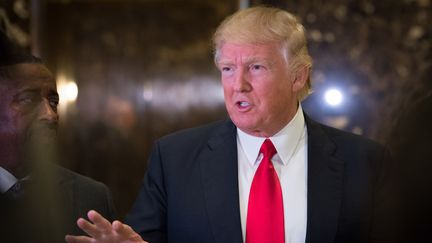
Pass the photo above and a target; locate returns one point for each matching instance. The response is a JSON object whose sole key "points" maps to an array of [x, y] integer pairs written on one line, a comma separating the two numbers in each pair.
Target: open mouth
{"points": [[243, 105]]}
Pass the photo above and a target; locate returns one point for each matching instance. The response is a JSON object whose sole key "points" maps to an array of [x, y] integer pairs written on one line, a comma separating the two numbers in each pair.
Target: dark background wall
{"points": [[145, 69]]}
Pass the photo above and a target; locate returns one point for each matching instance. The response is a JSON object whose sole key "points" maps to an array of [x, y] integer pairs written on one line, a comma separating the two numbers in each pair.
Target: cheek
{"points": [[14, 121], [7, 120], [10, 133], [265, 92], [227, 90], [18, 124], [273, 98]]}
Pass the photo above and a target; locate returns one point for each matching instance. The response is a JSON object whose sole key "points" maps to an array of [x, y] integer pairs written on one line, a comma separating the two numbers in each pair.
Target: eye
{"points": [[54, 101], [256, 67], [226, 70], [27, 100]]}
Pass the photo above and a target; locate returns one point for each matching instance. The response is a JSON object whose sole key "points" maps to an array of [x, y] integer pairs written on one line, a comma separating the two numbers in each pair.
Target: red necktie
{"points": [[265, 216]]}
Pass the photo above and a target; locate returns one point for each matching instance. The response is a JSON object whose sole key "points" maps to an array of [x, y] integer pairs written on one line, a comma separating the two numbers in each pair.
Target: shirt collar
{"points": [[7, 180], [285, 141]]}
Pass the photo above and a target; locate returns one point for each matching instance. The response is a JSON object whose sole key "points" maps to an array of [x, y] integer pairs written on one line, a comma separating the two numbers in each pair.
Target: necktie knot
{"points": [[268, 149]]}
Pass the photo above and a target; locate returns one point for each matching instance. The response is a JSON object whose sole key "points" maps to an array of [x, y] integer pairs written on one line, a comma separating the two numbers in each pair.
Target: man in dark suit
{"points": [[267, 174], [39, 201]]}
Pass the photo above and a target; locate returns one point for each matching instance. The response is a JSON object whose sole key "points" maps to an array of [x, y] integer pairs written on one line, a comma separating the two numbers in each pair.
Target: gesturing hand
{"points": [[101, 230]]}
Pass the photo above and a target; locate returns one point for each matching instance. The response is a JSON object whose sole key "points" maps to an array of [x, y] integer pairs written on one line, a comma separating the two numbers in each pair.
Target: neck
{"points": [[274, 127]]}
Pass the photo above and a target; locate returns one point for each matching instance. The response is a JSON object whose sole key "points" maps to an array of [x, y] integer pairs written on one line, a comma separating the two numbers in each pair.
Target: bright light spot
{"points": [[68, 91], [333, 97], [71, 91]]}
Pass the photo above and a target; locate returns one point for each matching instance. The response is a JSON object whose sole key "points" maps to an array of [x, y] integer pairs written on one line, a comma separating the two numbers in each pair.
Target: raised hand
{"points": [[101, 230]]}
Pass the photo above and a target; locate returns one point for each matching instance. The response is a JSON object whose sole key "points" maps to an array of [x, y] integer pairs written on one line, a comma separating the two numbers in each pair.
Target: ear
{"points": [[301, 76]]}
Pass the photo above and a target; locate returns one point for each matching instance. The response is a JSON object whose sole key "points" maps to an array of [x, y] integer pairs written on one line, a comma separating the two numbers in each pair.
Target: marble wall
{"points": [[15, 21]]}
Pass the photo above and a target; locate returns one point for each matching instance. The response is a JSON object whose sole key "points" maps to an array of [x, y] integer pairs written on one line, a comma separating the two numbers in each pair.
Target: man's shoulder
{"points": [[68, 176], [338, 134], [343, 139], [87, 193], [200, 133]]}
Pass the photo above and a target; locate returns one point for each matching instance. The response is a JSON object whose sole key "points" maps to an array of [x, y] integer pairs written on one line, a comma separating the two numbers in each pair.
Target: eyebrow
{"points": [[25, 92], [36, 90], [28, 90], [248, 60]]}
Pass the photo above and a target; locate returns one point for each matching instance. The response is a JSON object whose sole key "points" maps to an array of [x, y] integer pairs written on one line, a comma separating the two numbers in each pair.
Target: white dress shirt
{"points": [[290, 163], [7, 180]]}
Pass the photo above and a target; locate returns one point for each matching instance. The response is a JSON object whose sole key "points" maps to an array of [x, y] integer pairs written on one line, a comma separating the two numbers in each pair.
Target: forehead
{"points": [[244, 52], [28, 75]]}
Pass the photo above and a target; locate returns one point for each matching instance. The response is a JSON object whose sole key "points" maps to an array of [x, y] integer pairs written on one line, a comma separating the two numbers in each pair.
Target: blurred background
{"points": [[131, 71]]}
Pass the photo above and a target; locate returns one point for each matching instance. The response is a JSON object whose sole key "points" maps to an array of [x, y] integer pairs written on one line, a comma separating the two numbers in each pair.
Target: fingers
{"points": [[99, 226], [99, 221], [88, 227], [122, 229], [78, 239], [126, 232]]}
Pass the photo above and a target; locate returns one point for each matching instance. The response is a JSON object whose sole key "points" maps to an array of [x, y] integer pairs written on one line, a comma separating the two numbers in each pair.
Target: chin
{"points": [[245, 126]]}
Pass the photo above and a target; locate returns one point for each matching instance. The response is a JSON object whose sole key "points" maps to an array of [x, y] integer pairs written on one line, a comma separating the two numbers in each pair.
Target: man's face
{"points": [[259, 88], [28, 112]]}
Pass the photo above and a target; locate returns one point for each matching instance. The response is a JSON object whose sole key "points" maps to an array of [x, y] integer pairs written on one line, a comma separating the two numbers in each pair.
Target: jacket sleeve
{"points": [[148, 215], [110, 212]]}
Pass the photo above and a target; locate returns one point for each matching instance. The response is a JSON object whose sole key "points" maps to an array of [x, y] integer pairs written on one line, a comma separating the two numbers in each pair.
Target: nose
{"points": [[47, 113], [241, 82]]}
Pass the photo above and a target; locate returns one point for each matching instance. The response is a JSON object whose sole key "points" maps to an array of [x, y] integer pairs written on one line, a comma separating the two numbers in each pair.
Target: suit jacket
{"points": [[53, 201], [190, 191]]}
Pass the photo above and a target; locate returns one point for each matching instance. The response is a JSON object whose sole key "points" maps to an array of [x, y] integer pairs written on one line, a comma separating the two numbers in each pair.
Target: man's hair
{"points": [[260, 25], [11, 55]]}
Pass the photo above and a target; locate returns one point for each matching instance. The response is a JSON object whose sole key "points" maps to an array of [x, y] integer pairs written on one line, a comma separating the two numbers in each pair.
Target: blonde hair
{"points": [[260, 25]]}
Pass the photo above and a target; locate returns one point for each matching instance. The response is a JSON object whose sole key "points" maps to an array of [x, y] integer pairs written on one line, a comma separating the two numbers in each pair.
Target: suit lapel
{"points": [[325, 181], [219, 172]]}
